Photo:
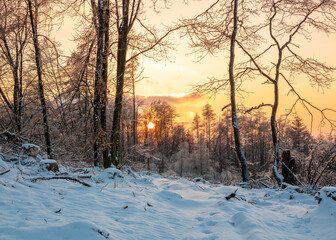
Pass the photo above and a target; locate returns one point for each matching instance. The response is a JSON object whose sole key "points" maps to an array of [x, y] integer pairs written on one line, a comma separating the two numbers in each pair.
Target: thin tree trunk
{"points": [[98, 88], [277, 176], [134, 122], [40, 82], [16, 98], [20, 89], [235, 126], [104, 99]]}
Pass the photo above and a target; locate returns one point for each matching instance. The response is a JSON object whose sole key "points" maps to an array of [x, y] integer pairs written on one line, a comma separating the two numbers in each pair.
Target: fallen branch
{"points": [[81, 177], [63, 178], [293, 174], [232, 195], [264, 184], [4, 172]]}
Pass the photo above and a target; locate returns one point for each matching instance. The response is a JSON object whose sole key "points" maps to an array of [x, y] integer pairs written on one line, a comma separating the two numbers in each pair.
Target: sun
{"points": [[150, 125]]}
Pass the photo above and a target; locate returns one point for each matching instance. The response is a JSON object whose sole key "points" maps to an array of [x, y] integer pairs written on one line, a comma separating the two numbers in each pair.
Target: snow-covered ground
{"points": [[127, 205]]}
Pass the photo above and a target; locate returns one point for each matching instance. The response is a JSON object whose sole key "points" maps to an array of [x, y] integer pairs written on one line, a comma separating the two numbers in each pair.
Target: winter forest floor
{"points": [[128, 205]]}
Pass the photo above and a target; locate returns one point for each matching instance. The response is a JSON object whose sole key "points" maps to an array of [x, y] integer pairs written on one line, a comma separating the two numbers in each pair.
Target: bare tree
{"points": [[235, 126], [286, 20], [100, 147], [13, 40], [33, 22], [221, 20]]}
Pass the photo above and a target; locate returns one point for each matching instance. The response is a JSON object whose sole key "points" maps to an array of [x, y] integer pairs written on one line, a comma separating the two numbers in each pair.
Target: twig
{"points": [[257, 107], [264, 184], [4, 172], [226, 106], [294, 175], [64, 178]]}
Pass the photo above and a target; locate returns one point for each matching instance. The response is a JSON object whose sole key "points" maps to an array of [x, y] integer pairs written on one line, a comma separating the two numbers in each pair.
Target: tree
{"points": [[196, 126], [126, 16], [13, 41], [286, 20], [299, 135], [235, 126], [133, 76], [38, 61], [100, 87], [221, 20], [209, 116]]}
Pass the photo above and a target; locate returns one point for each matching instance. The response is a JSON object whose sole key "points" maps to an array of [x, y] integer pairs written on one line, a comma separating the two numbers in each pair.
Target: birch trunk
{"points": [[235, 126]]}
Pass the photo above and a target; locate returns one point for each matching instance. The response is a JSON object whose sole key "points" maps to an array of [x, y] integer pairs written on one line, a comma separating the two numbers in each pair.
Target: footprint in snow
{"points": [[211, 223]]}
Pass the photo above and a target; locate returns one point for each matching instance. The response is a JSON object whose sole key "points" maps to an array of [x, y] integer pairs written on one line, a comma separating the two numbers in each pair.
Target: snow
{"points": [[47, 161], [129, 205], [28, 146]]}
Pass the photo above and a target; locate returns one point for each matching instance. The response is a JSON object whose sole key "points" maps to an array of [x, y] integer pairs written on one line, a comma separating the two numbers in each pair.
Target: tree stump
{"points": [[50, 165], [31, 150], [288, 167]]}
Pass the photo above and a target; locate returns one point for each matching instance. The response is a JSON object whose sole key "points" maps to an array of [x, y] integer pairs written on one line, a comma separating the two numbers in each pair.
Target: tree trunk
{"points": [[134, 122], [288, 167], [235, 126], [39, 75], [98, 89], [121, 65], [16, 98], [276, 174], [105, 23]]}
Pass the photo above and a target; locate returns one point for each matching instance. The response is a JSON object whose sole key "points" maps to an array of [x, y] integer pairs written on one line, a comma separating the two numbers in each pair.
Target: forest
{"points": [[82, 108]]}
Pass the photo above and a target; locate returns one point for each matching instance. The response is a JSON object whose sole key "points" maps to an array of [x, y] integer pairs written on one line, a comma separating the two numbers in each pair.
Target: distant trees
{"points": [[162, 115]]}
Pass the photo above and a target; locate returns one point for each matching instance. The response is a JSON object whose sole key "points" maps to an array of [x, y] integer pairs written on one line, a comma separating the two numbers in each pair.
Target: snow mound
{"points": [[108, 175], [76, 230], [327, 200]]}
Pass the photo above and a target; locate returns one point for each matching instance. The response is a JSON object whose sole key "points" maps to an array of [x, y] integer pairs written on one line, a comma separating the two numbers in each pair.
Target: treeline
{"points": [[206, 148]]}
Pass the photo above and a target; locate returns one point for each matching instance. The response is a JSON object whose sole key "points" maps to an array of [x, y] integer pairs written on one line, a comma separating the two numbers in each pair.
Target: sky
{"points": [[172, 79]]}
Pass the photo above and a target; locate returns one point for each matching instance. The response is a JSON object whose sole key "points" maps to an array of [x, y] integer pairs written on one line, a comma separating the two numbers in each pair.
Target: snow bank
{"points": [[128, 205]]}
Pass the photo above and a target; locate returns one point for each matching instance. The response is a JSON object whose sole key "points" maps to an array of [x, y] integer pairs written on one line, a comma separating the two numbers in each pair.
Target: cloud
{"points": [[172, 98]]}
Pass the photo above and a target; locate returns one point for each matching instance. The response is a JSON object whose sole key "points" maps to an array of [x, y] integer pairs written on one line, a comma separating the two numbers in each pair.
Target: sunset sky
{"points": [[172, 79]]}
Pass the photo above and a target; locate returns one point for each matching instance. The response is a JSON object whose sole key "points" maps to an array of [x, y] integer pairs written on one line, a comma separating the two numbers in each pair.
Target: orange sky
{"points": [[173, 80]]}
